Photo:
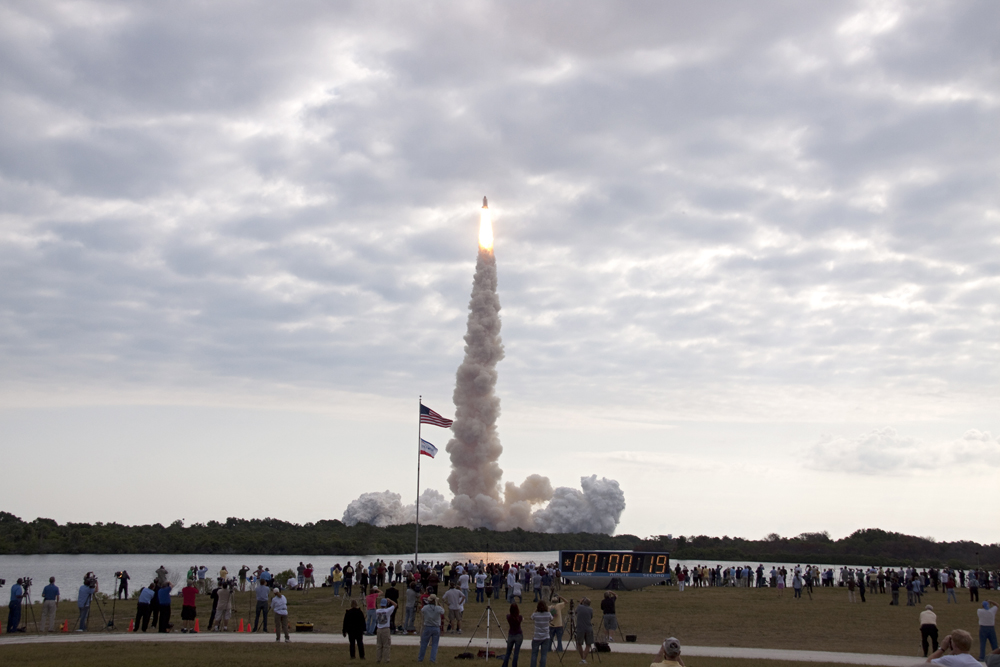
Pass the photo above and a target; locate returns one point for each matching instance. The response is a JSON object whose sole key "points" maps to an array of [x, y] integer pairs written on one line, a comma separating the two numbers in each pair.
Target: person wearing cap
{"points": [[383, 629], [987, 627], [279, 605], [354, 628], [928, 628], [669, 654], [371, 603], [431, 634]]}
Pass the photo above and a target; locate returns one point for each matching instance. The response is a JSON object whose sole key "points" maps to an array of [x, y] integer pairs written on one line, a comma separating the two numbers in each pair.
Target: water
{"points": [[69, 569]]}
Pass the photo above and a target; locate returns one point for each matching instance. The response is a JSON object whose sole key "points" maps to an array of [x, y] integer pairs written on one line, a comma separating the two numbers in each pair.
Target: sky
{"points": [[748, 256]]}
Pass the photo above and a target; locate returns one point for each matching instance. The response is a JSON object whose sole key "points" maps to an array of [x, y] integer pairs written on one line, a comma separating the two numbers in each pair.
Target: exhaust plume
{"points": [[475, 479]]}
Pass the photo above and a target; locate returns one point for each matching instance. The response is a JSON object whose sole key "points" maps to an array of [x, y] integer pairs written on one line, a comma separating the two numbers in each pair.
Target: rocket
{"points": [[484, 203]]}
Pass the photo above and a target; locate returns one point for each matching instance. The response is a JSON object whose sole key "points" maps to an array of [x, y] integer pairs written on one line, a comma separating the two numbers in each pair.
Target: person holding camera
{"points": [[83, 598], [14, 615], [954, 651], [669, 654], [122, 584]]}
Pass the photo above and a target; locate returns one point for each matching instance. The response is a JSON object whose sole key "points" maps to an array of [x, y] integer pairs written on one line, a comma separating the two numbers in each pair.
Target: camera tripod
{"points": [[31, 610], [572, 635], [488, 614]]}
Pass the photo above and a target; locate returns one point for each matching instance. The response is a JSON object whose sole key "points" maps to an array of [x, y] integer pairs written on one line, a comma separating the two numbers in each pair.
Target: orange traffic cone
{"points": [[248, 626], [66, 625], [197, 626], [241, 626], [131, 624]]}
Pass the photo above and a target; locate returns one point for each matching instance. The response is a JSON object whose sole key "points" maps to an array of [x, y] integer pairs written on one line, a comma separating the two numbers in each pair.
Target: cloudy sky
{"points": [[749, 255]]}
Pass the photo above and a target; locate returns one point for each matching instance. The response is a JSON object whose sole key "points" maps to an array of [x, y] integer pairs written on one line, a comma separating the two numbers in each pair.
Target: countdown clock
{"points": [[615, 569]]}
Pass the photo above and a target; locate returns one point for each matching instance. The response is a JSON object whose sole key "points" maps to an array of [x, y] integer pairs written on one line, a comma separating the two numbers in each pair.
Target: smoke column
{"points": [[475, 479]]}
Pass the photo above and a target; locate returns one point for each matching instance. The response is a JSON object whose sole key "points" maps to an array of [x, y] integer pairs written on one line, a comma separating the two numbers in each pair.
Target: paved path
{"points": [[496, 644]]}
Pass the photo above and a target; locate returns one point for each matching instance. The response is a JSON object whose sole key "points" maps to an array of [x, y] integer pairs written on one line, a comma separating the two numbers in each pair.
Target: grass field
{"points": [[267, 655], [725, 617]]}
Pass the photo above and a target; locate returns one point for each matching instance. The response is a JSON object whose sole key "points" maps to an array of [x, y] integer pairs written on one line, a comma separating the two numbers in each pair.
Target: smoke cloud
{"points": [[478, 499]]}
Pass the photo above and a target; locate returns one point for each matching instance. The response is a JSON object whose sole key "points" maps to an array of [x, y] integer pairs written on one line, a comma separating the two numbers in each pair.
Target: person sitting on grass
{"points": [[954, 651], [669, 654]]}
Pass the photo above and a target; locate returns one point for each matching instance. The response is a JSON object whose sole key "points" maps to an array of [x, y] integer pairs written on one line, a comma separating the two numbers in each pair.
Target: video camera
{"points": [[90, 579], [3, 582], [118, 575], [26, 582]]}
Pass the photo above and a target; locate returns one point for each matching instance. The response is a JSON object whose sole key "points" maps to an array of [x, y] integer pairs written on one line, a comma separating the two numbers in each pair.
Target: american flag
{"points": [[428, 416]]}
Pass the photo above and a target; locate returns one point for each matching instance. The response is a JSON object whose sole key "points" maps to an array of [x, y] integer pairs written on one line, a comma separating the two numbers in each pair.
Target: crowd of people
{"points": [[429, 599]]}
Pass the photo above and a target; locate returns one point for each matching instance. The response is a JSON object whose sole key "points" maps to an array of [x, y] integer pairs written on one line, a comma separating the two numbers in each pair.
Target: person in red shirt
{"points": [[307, 573], [188, 612]]}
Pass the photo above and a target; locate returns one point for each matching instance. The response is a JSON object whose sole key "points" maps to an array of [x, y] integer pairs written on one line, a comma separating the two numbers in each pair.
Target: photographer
{"points": [[143, 609], [610, 620], [955, 651], [14, 615], [122, 584], [84, 596]]}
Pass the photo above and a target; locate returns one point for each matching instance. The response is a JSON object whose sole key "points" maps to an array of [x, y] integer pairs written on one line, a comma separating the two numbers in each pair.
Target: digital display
{"points": [[614, 562]]}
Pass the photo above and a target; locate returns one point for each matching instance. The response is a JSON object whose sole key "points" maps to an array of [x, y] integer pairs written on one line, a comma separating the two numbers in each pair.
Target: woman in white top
{"points": [[540, 641]]}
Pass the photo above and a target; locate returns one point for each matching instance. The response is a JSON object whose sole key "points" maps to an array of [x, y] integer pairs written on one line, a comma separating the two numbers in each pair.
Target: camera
{"points": [[26, 582], [118, 575], [3, 582]]}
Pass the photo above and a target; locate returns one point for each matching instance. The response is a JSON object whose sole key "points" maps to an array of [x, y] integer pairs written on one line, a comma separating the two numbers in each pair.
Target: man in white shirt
{"points": [[455, 599], [463, 583], [987, 627], [480, 586], [928, 628], [279, 605], [954, 651]]}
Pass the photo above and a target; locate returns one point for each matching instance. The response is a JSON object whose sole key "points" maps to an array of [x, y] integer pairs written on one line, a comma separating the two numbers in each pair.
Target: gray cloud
{"points": [[686, 196], [886, 452]]}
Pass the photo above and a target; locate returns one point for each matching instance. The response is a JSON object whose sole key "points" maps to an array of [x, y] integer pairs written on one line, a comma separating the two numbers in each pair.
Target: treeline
{"points": [[870, 546], [272, 536]]}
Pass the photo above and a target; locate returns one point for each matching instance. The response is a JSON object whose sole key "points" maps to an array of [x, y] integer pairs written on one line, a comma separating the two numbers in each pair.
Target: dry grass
{"points": [[304, 655], [755, 618]]}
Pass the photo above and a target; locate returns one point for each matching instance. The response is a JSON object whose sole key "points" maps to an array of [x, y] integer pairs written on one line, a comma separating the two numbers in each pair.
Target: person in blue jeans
{"points": [[83, 598], [14, 616], [987, 627], [431, 615], [540, 641], [514, 635]]}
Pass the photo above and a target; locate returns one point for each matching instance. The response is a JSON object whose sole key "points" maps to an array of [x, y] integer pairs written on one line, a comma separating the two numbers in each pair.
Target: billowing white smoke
{"points": [[475, 449], [385, 508]]}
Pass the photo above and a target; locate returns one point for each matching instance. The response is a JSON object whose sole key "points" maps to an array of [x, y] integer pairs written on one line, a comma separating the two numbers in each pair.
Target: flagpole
{"points": [[416, 543]]}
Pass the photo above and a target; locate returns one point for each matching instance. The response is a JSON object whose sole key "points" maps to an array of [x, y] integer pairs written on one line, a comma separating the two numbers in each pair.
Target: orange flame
{"points": [[485, 229]]}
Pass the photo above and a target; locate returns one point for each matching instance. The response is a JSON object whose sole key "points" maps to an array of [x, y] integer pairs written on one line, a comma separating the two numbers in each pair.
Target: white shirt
{"points": [[463, 581], [987, 617], [279, 604], [480, 580], [959, 660], [928, 617]]}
